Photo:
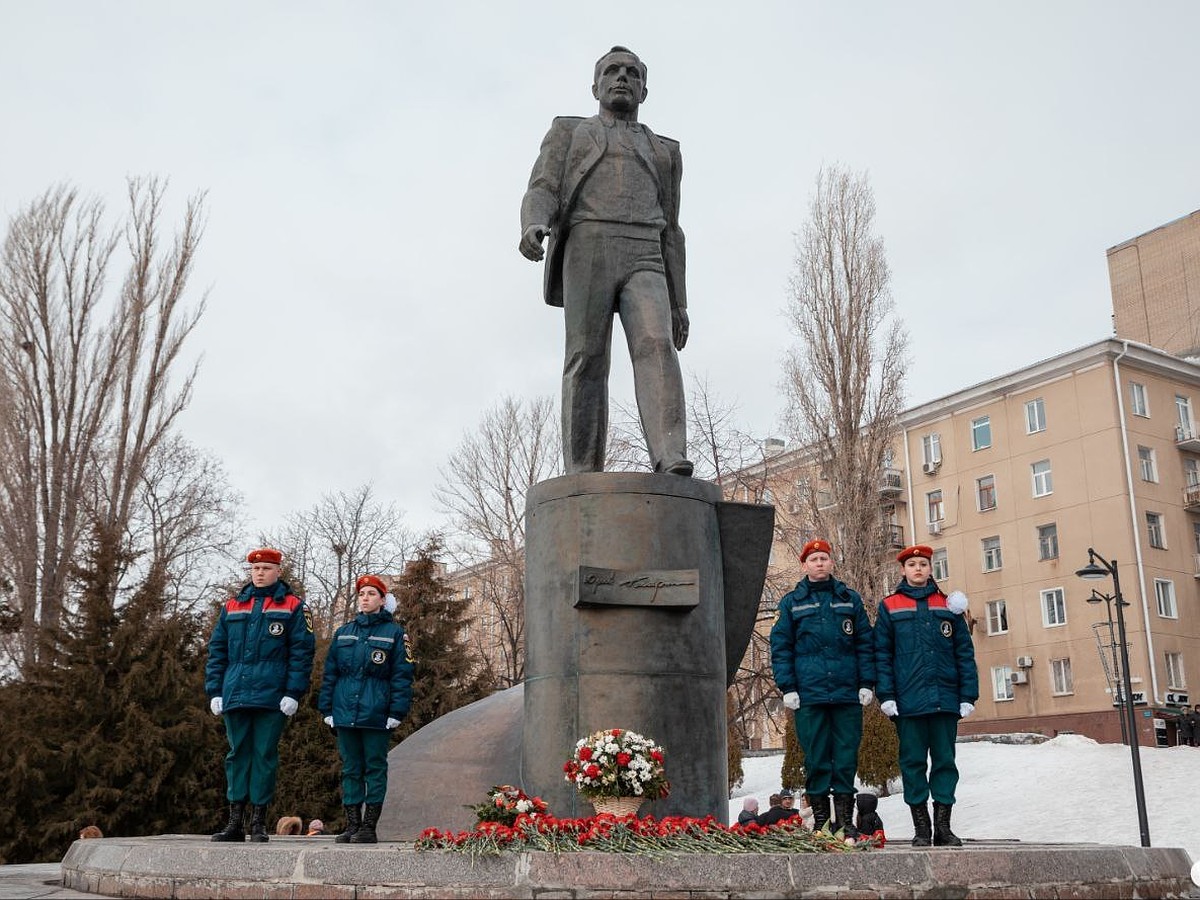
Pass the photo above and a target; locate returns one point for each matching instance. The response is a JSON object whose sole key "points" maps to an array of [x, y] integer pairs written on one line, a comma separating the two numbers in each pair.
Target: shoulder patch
{"points": [[408, 654], [308, 622]]}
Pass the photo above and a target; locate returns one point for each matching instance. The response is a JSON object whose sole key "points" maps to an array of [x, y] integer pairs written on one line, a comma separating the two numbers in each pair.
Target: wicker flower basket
{"points": [[617, 806]]}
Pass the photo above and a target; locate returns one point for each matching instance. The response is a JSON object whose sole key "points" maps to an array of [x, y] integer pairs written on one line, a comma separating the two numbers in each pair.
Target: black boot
{"points": [[921, 825], [843, 808], [353, 823], [258, 824], [366, 831], [942, 835], [233, 828], [820, 808]]}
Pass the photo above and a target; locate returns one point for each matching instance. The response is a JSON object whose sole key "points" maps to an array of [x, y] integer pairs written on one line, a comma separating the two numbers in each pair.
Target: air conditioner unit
{"points": [[935, 527], [1177, 698], [930, 467], [1025, 662], [1019, 678]]}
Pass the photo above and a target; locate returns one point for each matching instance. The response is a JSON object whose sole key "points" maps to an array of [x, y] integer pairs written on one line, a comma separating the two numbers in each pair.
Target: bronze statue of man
{"points": [[606, 191]]}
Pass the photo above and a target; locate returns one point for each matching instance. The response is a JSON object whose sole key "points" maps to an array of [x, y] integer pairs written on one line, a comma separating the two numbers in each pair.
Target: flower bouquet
{"points": [[615, 763], [505, 803]]}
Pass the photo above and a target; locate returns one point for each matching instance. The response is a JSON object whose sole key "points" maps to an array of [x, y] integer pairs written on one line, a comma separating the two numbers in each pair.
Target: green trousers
{"points": [[252, 762], [829, 735], [928, 739], [364, 764]]}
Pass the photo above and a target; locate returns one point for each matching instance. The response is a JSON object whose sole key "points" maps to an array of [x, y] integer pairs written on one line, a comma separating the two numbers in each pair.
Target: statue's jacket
{"points": [[570, 151]]}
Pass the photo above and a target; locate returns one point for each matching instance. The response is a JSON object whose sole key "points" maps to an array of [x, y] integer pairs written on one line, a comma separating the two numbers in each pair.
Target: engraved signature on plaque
{"points": [[673, 588]]}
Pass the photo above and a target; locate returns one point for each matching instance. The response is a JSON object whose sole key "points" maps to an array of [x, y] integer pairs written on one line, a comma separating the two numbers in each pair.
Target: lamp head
{"points": [[1091, 571]]}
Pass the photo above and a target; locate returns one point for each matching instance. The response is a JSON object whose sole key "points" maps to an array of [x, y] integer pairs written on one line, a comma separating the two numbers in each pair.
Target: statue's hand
{"points": [[679, 327], [531, 242]]}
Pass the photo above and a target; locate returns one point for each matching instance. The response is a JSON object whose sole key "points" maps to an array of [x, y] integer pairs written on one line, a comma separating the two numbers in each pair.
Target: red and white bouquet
{"points": [[618, 763]]}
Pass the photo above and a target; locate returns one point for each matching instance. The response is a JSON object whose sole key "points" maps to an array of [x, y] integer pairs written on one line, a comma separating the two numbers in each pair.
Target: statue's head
{"points": [[619, 80]]}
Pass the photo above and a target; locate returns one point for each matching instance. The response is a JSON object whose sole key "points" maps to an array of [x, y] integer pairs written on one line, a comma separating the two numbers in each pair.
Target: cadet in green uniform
{"points": [[260, 659], [925, 664], [823, 662], [365, 692]]}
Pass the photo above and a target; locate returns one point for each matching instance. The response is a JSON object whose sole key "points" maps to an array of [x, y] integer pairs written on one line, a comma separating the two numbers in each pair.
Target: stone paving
{"points": [[184, 866]]}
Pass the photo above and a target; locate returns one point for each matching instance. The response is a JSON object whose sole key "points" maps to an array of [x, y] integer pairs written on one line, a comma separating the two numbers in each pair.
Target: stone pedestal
{"points": [[625, 628]]}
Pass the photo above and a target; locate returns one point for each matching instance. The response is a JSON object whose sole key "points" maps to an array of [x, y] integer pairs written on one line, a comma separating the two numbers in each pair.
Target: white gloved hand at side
{"points": [[965, 709], [888, 708], [791, 700], [392, 723], [288, 706], [216, 705], [329, 721], [865, 696]]}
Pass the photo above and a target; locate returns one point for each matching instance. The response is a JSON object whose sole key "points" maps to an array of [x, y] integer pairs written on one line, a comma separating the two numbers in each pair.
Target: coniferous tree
{"points": [[114, 732], [879, 752], [735, 738], [791, 774], [447, 674]]}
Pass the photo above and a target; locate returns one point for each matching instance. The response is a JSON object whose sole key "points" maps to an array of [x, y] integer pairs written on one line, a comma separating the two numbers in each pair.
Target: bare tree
{"points": [[88, 380], [483, 489], [844, 377], [343, 536]]}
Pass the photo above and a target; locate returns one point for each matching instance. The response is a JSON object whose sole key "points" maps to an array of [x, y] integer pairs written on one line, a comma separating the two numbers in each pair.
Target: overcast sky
{"points": [[365, 162]]}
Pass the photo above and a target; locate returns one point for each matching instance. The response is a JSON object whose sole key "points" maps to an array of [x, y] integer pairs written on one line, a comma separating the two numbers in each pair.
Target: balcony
{"points": [[1191, 497], [1186, 438], [891, 482], [896, 538]]}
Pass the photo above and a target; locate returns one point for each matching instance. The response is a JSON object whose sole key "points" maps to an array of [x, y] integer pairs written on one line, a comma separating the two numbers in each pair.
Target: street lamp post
{"points": [[1092, 571], [1097, 597]]}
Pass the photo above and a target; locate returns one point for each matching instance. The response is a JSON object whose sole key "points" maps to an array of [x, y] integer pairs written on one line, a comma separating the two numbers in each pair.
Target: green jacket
{"points": [[821, 645], [368, 673]]}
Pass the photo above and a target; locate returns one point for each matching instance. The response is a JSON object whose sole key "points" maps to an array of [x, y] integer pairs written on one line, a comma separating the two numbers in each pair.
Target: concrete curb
{"points": [[183, 866]]}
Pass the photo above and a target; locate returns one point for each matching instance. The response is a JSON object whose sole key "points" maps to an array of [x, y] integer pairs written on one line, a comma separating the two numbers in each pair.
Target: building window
{"points": [[997, 617], [991, 554], [1043, 483], [1048, 541], [941, 564], [1175, 677], [1002, 688], [934, 506], [1164, 595], [1137, 399], [1147, 463], [981, 433], [1054, 608], [1035, 416], [985, 492], [1191, 471], [1154, 529], [1183, 409], [931, 449], [1061, 681]]}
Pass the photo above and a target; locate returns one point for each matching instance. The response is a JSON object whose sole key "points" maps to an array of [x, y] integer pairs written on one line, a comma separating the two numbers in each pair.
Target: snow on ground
{"points": [[1066, 790]]}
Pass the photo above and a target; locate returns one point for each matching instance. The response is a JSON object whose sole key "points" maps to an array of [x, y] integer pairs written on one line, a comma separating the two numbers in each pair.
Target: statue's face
{"points": [[620, 87]]}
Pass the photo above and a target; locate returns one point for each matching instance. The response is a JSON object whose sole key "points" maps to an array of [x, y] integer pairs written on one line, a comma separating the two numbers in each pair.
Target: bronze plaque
{"points": [[668, 588]]}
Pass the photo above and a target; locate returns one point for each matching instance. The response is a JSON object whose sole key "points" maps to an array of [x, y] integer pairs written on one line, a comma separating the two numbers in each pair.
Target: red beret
{"points": [[915, 550], [266, 554], [371, 581], [815, 546]]}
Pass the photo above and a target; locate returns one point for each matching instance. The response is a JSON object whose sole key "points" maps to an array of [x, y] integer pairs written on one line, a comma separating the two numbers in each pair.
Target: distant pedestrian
{"points": [[365, 692], [288, 825], [1186, 729], [260, 660], [749, 811], [1193, 719], [778, 811], [89, 832], [316, 827]]}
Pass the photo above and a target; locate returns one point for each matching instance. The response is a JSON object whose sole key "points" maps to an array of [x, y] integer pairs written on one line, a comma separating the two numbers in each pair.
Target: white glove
{"points": [[965, 709], [392, 723], [288, 706], [791, 700], [865, 696], [216, 706], [888, 708], [329, 721]]}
